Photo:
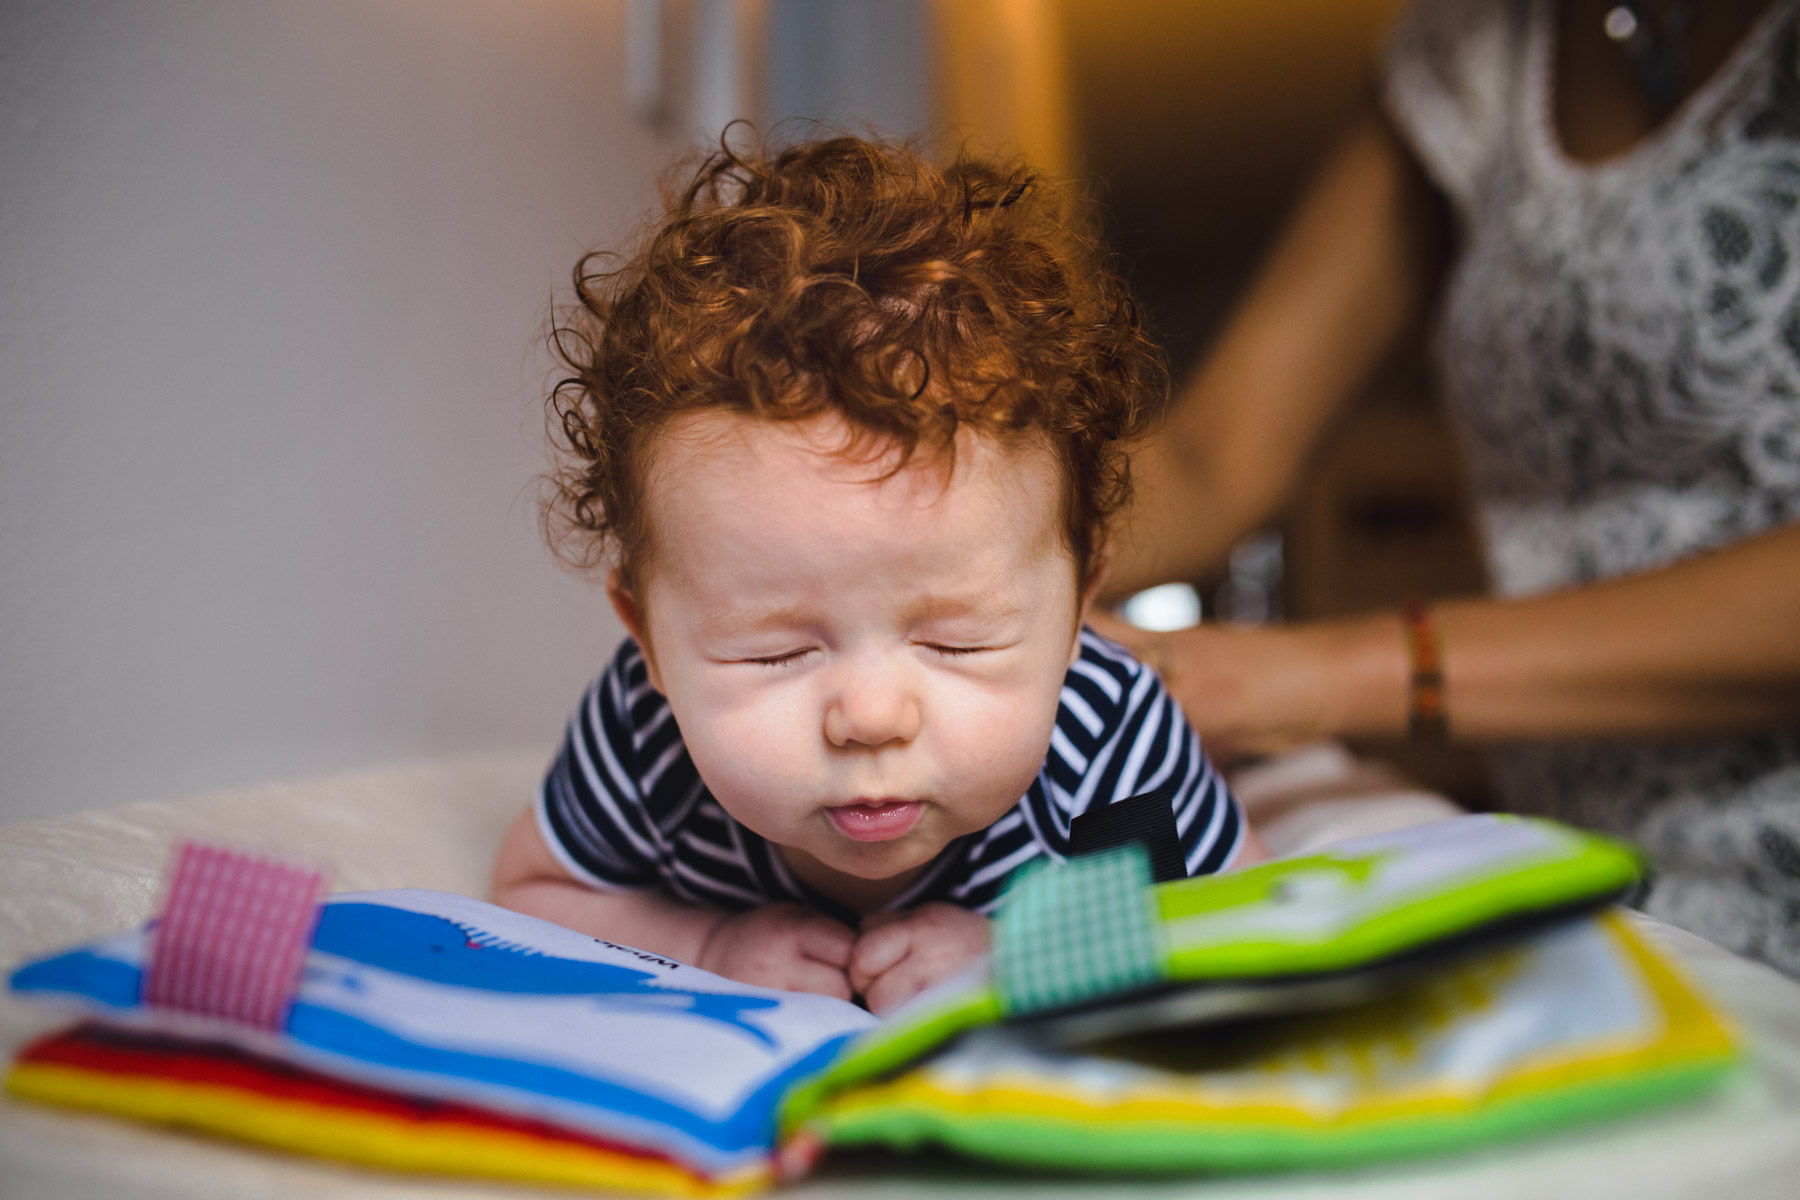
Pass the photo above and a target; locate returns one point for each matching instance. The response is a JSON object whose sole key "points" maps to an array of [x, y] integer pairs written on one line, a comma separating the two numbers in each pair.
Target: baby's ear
{"points": [[631, 615], [1099, 566]]}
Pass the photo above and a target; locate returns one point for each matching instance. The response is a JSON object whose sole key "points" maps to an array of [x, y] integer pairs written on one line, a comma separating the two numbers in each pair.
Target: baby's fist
{"points": [[787, 946], [900, 954]]}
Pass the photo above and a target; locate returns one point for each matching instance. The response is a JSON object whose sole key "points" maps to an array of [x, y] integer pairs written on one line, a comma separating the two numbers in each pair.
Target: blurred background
{"points": [[273, 284]]}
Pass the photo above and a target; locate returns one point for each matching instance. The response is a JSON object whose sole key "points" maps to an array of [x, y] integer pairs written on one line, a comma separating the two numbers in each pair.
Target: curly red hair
{"points": [[850, 276]]}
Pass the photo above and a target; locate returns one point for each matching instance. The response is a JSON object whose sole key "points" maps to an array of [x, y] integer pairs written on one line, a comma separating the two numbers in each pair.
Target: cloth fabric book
{"points": [[1416, 991], [236, 1094], [440, 996]]}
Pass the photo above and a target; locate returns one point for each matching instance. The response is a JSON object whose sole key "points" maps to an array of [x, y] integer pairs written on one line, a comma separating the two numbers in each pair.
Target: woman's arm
{"points": [[1707, 645], [1356, 267]]}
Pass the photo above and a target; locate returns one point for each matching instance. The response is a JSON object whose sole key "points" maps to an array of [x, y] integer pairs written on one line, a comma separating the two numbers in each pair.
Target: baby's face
{"points": [[862, 669]]}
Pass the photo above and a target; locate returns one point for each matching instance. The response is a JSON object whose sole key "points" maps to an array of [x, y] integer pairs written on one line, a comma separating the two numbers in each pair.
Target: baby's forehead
{"points": [[719, 473], [827, 448]]}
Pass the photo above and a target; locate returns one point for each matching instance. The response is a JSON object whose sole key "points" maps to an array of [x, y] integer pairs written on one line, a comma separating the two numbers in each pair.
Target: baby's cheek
{"points": [[753, 756], [992, 749]]}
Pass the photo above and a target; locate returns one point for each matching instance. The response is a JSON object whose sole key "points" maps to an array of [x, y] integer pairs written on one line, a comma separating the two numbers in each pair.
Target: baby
{"points": [[850, 427]]}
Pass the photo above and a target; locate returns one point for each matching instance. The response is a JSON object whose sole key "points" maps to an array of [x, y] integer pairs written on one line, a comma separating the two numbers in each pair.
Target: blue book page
{"points": [[443, 996]]}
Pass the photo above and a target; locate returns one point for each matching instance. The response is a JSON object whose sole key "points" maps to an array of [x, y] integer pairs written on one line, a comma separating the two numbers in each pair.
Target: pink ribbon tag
{"points": [[233, 936]]}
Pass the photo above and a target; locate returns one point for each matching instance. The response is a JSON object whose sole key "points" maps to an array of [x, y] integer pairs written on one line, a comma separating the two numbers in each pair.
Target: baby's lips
{"points": [[880, 820]]}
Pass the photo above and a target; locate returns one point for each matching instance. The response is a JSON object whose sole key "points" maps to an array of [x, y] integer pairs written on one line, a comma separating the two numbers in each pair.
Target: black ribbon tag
{"points": [[1147, 819]]}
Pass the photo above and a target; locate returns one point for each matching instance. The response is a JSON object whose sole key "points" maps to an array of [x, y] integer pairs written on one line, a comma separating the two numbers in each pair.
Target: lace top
{"points": [[1620, 345]]}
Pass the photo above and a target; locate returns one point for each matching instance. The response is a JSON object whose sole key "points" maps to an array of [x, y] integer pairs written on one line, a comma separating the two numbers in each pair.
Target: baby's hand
{"points": [[900, 954], [786, 946]]}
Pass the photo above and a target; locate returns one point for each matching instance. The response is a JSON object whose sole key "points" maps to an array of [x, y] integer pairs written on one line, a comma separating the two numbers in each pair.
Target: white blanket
{"points": [[437, 826]]}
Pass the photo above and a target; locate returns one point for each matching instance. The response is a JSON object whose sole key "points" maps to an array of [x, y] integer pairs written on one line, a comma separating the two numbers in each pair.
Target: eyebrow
{"points": [[755, 619], [751, 620], [942, 608]]}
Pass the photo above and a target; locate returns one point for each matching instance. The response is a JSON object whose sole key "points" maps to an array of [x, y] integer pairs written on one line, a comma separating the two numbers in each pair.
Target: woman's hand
{"points": [[1706, 645], [1260, 689]]}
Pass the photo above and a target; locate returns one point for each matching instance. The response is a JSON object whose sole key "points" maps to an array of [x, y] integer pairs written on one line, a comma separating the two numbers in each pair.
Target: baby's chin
{"points": [[875, 861]]}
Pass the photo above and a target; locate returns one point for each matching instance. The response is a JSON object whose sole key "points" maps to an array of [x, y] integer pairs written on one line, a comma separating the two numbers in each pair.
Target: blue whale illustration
{"points": [[440, 950]]}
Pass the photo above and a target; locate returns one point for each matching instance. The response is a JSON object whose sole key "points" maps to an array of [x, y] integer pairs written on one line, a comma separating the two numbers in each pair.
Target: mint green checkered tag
{"points": [[1078, 930]]}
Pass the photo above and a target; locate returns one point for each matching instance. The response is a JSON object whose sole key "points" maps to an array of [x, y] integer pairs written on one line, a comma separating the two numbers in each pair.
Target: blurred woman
{"points": [[1595, 208]]}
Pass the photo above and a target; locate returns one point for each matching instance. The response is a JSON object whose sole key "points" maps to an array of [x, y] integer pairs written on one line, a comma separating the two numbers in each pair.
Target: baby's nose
{"points": [[871, 705]]}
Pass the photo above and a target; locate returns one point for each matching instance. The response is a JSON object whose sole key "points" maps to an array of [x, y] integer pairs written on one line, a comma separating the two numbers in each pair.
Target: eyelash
{"points": [[783, 660], [780, 660]]}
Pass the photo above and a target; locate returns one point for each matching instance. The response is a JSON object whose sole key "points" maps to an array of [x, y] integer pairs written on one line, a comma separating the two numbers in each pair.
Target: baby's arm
{"points": [[1251, 850], [779, 945], [900, 954]]}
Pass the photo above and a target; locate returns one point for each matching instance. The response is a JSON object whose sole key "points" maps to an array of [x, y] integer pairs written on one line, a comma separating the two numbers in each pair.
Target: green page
{"points": [[1315, 931]]}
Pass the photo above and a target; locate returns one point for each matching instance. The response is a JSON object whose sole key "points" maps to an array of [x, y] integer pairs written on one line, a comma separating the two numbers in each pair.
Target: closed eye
{"points": [[955, 651], [779, 660]]}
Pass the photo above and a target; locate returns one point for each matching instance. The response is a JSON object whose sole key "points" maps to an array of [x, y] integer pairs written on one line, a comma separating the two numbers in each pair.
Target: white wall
{"points": [[271, 279], [853, 63]]}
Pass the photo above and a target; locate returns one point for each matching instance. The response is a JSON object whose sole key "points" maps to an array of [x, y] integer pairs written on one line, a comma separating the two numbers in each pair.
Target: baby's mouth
{"points": [[876, 820]]}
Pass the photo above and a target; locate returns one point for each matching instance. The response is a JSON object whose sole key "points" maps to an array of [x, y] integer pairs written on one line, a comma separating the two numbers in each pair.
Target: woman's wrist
{"points": [[1365, 678]]}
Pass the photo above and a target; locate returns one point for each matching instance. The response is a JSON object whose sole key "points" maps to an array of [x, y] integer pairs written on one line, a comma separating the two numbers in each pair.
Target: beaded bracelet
{"points": [[1427, 720]]}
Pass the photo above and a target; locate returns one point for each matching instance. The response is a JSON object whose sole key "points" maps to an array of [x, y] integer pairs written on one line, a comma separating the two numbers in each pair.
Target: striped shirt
{"points": [[624, 807]]}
